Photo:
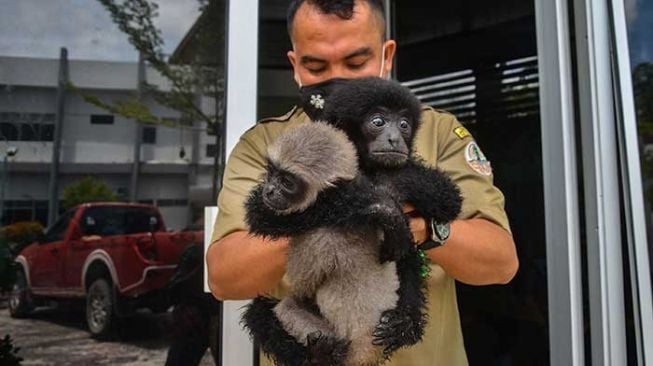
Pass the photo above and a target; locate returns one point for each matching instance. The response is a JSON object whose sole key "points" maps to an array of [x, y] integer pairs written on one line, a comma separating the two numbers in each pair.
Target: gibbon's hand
{"points": [[398, 328], [418, 225], [395, 227]]}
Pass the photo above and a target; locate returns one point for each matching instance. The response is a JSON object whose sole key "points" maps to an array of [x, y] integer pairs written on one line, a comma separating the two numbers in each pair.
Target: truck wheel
{"points": [[100, 309], [20, 301]]}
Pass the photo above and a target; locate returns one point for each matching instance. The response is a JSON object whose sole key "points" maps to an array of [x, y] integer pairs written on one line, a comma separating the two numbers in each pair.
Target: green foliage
{"points": [[643, 90], [23, 232], [87, 189], [9, 352]]}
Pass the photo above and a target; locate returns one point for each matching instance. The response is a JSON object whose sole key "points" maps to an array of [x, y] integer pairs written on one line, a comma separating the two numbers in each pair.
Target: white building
{"points": [[94, 142]]}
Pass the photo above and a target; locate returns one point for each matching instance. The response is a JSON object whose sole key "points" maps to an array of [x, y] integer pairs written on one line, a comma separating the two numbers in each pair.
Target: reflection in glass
{"points": [[134, 103], [456, 57], [639, 15]]}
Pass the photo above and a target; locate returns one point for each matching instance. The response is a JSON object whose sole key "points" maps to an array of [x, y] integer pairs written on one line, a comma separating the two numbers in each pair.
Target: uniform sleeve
{"points": [[459, 155], [244, 169]]}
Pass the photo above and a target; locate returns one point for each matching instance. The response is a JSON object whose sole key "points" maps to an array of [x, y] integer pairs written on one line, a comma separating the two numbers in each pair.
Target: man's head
{"points": [[338, 38]]}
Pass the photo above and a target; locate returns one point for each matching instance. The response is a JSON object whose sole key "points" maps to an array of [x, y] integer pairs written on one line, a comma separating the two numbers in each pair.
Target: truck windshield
{"points": [[57, 231], [107, 221]]}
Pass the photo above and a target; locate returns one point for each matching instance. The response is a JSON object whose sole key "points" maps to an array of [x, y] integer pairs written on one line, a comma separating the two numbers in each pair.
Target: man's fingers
{"points": [[408, 208], [419, 230]]}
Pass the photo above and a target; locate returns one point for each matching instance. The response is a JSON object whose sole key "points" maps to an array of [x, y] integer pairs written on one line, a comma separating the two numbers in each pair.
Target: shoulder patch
{"points": [[461, 132], [285, 118], [477, 160]]}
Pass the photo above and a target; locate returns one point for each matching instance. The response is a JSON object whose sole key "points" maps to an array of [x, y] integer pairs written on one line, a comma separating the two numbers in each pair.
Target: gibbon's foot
{"points": [[398, 328], [324, 350]]}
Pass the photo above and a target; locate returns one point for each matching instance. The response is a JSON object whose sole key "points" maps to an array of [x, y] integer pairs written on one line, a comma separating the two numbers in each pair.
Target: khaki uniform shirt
{"points": [[443, 143]]}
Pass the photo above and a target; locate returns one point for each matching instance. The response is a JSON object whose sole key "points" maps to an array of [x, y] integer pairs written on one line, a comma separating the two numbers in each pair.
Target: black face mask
{"points": [[315, 97]]}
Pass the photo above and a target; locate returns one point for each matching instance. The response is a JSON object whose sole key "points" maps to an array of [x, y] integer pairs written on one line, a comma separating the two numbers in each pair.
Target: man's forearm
{"points": [[241, 266], [478, 252]]}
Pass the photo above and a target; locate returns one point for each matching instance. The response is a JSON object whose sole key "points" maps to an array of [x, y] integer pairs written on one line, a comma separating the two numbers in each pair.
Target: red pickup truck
{"points": [[116, 256]]}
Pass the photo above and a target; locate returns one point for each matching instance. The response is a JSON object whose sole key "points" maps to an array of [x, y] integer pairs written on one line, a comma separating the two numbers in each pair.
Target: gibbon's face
{"points": [[283, 190], [388, 135]]}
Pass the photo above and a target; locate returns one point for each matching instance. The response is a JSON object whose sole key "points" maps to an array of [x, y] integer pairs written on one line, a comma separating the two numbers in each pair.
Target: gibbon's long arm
{"points": [[349, 205], [432, 193], [404, 325]]}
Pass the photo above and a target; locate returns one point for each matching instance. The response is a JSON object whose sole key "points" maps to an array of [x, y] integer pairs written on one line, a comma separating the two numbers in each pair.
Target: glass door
{"points": [[478, 60]]}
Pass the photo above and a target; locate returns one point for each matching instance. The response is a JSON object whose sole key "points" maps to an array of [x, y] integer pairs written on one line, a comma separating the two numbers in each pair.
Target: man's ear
{"points": [[292, 57], [390, 50]]}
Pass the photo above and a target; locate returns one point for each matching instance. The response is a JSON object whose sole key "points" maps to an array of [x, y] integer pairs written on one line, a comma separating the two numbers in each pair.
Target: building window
{"points": [[26, 126], [210, 150], [149, 135], [8, 131], [172, 202], [101, 119]]}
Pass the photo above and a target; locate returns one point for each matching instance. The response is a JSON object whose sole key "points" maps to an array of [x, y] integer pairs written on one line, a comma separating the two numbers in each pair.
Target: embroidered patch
{"points": [[461, 132], [477, 160]]}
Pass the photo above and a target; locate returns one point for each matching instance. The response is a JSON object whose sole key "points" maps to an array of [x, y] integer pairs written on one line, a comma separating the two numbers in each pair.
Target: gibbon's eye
{"points": [[378, 121], [288, 183], [404, 124]]}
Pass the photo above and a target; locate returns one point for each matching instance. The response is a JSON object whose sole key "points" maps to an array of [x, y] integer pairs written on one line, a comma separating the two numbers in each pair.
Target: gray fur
{"points": [[340, 269], [351, 288], [317, 152], [299, 322]]}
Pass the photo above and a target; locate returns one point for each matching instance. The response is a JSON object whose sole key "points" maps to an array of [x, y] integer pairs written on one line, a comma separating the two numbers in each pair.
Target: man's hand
{"points": [[418, 225], [478, 252]]}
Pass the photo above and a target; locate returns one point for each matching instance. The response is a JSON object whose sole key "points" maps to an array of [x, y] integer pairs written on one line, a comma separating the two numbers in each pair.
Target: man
{"points": [[335, 39]]}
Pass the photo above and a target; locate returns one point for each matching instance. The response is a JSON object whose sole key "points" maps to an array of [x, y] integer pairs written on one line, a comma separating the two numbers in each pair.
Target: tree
{"points": [[194, 74], [9, 352], [87, 189], [201, 75], [643, 92]]}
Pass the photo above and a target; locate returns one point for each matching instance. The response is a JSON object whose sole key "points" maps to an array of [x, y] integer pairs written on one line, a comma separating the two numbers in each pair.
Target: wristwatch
{"points": [[439, 234]]}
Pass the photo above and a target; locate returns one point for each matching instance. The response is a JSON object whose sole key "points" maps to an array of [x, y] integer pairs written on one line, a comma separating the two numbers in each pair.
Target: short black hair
{"points": [[344, 9]]}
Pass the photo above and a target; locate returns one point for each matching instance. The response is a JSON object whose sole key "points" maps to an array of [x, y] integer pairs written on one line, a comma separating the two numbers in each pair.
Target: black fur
{"points": [[325, 351], [350, 103], [372, 200], [432, 193], [404, 325], [265, 328], [350, 205]]}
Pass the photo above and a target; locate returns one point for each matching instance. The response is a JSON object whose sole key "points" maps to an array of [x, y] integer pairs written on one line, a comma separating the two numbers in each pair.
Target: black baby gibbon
{"points": [[356, 292]]}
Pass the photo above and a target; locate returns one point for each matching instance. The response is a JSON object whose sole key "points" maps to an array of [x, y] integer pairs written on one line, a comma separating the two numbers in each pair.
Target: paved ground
{"points": [[59, 337]]}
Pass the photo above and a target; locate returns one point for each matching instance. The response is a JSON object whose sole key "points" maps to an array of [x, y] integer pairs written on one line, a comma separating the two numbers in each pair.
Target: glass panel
{"points": [[639, 16], [73, 90], [455, 57]]}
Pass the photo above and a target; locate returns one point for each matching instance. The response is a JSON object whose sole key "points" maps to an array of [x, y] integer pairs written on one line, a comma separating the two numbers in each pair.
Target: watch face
{"points": [[443, 230]]}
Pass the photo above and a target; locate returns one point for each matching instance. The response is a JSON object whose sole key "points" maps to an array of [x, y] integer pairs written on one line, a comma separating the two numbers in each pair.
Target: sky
{"points": [[39, 28]]}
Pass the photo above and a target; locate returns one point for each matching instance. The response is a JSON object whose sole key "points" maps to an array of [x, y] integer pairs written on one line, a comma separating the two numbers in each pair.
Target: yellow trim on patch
{"points": [[461, 132]]}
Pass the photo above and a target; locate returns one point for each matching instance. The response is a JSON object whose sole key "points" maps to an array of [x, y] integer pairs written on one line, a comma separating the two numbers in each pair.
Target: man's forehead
{"points": [[312, 25]]}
